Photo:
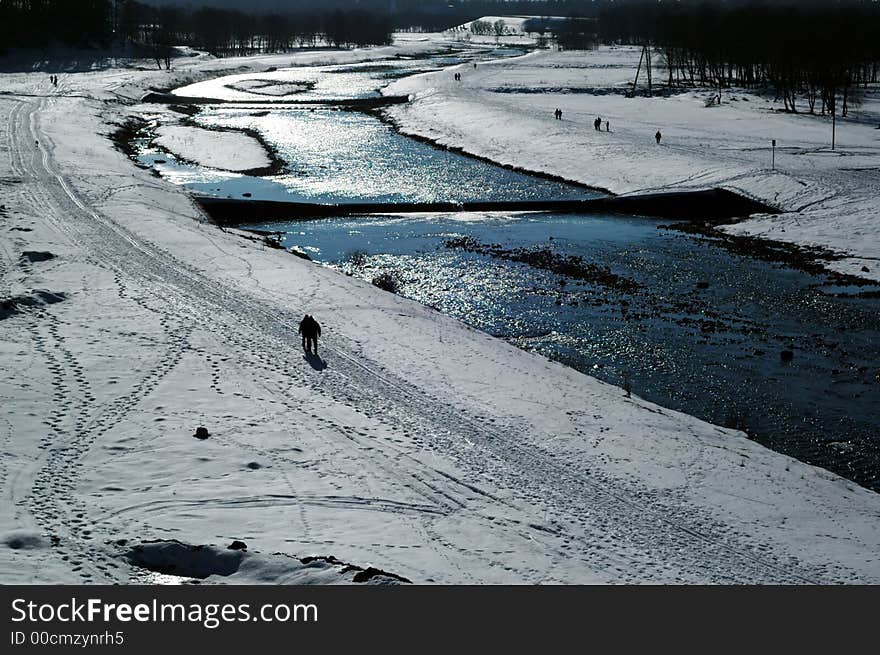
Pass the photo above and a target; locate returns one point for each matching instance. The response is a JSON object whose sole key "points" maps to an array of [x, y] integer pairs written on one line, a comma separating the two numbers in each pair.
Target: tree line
{"points": [[264, 26], [814, 52], [36, 23], [157, 29]]}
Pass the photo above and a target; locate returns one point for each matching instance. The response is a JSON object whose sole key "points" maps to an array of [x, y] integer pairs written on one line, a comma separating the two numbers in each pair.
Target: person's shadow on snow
{"points": [[315, 361]]}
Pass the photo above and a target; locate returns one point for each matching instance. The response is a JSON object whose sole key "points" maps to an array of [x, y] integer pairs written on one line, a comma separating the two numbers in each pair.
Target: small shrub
{"points": [[272, 241], [387, 281]]}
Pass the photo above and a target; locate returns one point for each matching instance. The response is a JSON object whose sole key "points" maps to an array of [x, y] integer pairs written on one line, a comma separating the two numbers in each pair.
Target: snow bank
{"points": [[504, 111], [231, 151]]}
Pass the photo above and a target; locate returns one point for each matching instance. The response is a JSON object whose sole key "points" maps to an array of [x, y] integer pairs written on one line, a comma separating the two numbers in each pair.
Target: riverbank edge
{"points": [[793, 255], [811, 259]]}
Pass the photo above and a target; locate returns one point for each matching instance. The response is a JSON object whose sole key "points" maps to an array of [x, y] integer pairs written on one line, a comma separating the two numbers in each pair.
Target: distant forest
{"points": [[236, 27], [809, 51], [815, 52], [230, 27], [105, 23]]}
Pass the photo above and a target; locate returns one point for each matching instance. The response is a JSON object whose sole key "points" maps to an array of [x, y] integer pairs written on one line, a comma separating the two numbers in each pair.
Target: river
{"points": [[681, 320]]}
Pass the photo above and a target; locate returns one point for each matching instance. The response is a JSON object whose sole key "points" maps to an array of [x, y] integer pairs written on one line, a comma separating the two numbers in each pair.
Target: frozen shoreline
{"points": [[442, 460]]}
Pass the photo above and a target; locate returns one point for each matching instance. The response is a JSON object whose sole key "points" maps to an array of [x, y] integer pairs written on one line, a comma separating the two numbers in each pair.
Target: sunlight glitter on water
{"points": [[337, 156]]}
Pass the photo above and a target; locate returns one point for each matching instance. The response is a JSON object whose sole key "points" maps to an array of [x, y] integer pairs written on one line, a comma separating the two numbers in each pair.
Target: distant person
{"points": [[475, 64], [658, 136], [310, 331], [597, 124], [607, 126]]}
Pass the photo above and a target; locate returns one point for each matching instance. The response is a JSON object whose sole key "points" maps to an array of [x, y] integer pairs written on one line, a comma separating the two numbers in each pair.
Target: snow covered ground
{"points": [[503, 110], [414, 444], [229, 151]]}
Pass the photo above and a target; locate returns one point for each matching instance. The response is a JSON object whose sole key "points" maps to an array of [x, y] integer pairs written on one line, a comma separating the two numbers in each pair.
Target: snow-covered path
{"points": [[418, 445]]}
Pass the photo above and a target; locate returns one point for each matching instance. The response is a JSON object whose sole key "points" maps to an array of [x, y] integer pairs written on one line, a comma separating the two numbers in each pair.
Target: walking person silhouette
{"points": [[310, 331]]}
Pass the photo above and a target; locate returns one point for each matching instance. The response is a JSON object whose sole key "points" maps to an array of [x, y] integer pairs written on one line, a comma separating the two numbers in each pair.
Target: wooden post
{"points": [[833, 122], [638, 70]]}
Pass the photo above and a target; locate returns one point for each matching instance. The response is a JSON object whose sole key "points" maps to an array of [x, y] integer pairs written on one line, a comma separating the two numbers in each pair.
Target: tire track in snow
{"points": [[52, 499]]}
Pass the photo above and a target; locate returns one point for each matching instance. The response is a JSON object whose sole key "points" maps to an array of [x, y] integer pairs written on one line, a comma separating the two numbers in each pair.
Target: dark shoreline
{"points": [[162, 98], [802, 258]]}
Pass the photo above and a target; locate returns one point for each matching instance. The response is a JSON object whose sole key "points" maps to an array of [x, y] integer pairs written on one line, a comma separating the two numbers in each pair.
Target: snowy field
{"points": [[504, 110], [414, 445]]}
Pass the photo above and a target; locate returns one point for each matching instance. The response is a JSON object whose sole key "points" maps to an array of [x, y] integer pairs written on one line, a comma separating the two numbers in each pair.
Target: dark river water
{"points": [[680, 319]]}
